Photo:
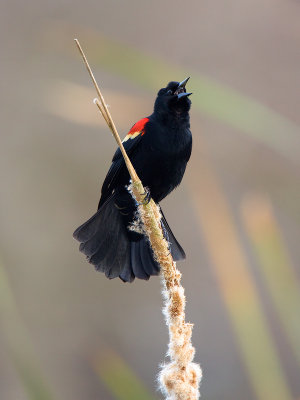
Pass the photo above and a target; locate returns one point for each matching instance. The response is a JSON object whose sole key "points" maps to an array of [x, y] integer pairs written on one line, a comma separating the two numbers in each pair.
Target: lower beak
{"points": [[180, 95]]}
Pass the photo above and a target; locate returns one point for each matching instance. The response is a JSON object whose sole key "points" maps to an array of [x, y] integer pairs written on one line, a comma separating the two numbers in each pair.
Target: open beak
{"points": [[181, 89]]}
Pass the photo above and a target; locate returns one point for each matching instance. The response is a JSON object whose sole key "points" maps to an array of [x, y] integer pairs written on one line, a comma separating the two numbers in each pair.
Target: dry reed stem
{"points": [[106, 114], [180, 378]]}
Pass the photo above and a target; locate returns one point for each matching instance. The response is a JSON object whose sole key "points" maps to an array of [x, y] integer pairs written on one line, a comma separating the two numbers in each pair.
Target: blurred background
{"points": [[66, 331]]}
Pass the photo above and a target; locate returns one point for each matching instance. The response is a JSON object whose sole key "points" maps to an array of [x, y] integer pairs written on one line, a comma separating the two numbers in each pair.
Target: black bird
{"points": [[159, 148]]}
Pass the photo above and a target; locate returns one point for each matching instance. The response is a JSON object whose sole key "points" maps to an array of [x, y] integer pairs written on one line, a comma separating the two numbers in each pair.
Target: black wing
{"points": [[117, 168]]}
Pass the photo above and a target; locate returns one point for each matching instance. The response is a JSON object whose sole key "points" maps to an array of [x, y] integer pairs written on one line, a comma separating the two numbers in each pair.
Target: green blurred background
{"points": [[66, 331]]}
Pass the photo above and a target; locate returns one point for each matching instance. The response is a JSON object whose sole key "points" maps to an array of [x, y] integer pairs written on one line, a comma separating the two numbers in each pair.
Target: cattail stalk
{"points": [[180, 378]]}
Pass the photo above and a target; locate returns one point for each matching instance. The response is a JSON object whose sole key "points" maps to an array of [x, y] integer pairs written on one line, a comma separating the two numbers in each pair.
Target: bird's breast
{"points": [[161, 162]]}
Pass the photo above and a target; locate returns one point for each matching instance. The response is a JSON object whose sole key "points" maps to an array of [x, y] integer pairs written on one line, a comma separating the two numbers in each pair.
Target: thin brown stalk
{"points": [[93, 79], [180, 378], [106, 114]]}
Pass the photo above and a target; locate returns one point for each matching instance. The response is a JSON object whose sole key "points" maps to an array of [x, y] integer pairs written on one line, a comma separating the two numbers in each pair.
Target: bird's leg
{"points": [[147, 195]]}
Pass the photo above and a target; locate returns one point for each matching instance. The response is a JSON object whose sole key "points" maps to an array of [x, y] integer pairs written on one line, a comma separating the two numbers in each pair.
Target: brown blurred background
{"points": [[66, 331]]}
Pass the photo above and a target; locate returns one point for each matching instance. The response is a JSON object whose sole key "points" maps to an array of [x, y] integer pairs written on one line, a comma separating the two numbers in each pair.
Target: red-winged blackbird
{"points": [[159, 148]]}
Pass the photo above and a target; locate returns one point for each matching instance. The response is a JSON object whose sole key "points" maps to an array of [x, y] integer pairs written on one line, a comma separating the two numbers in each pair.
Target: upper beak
{"points": [[181, 89], [183, 83]]}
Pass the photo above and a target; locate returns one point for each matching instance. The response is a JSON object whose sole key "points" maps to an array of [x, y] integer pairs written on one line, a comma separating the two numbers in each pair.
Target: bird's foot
{"points": [[147, 197]]}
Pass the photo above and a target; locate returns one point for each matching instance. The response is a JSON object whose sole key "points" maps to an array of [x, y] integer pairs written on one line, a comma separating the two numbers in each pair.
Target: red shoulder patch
{"points": [[137, 129], [139, 126]]}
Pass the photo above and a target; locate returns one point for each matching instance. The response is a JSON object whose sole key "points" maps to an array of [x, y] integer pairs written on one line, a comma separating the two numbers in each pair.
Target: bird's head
{"points": [[173, 98]]}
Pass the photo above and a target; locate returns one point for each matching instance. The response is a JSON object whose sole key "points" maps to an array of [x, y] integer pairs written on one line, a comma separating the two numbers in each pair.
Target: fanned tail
{"points": [[104, 241], [108, 245]]}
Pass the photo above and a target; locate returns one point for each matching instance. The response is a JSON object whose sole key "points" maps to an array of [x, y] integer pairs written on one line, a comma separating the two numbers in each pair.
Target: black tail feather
{"points": [[150, 266], [137, 262], [127, 274], [176, 250], [105, 241]]}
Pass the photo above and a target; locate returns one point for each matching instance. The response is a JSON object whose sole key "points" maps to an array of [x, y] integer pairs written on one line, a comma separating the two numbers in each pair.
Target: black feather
{"points": [[176, 250], [150, 265], [136, 261]]}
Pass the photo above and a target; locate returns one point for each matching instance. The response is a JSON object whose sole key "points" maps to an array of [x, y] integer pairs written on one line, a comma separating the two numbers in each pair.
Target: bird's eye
{"points": [[169, 92]]}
